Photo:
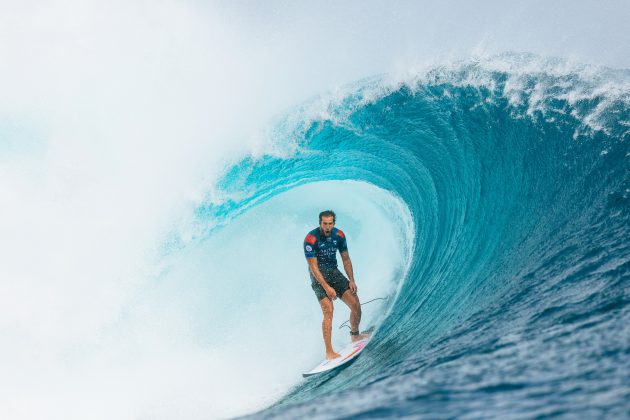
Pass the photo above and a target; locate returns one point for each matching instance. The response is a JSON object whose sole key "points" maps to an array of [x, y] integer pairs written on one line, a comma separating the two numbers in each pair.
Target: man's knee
{"points": [[352, 301], [327, 307]]}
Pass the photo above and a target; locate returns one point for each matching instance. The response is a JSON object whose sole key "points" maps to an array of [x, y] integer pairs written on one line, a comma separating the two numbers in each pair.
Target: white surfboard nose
{"points": [[348, 353]]}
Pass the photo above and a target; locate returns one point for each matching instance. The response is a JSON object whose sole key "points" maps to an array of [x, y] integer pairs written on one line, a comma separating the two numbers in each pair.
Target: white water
{"points": [[228, 325]]}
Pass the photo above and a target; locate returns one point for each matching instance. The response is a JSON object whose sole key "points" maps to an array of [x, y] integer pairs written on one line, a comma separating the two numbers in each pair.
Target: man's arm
{"points": [[347, 266], [312, 265]]}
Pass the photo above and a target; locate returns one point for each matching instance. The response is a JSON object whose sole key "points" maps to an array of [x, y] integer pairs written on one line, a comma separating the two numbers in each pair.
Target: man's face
{"points": [[326, 225]]}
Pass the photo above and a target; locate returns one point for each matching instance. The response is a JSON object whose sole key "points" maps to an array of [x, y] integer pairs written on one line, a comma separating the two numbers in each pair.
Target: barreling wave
{"points": [[515, 172]]}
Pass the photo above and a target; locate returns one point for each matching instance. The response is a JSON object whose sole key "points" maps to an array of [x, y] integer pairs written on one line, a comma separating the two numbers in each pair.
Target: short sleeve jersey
{"points": [[317, 245]]}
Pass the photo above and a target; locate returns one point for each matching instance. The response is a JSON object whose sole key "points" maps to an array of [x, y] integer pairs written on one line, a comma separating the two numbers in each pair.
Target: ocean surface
{"points": [[158, 180], [505, 185]]}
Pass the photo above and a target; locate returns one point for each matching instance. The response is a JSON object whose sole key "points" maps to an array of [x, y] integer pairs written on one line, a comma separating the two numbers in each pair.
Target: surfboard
{"points": [[348, 354]]}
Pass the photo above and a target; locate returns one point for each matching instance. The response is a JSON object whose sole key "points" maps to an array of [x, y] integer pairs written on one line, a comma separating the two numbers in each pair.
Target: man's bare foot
{"points": [[332, 355], [359, 337]]}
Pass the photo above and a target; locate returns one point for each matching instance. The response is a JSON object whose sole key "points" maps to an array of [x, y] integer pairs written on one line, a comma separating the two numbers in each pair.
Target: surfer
{"points": [[320, 248]]}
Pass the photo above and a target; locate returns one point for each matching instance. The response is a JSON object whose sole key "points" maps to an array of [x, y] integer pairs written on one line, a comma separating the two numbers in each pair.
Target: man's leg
{"points": [[327, 310], [353, 303]]}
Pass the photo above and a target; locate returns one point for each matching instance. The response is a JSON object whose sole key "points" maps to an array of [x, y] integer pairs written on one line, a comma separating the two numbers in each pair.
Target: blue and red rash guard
{"points": [[316, 244]]}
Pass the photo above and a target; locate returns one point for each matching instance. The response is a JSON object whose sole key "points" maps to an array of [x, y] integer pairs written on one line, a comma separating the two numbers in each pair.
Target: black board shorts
{"points": [[334, 278]]}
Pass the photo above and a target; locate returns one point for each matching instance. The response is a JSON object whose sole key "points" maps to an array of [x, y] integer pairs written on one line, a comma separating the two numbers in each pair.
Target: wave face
{"points": [[514, 299]]}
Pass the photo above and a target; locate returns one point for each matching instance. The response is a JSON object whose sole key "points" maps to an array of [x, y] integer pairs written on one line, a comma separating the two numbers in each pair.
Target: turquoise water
{"points": [[514, 300]]}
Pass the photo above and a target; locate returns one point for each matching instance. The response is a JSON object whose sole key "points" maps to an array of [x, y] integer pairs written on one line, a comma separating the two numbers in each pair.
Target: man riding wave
{"points": [[320, 248]]}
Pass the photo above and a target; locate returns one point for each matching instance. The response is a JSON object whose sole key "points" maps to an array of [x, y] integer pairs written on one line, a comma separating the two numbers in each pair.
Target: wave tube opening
{"points": [[243, 300]]}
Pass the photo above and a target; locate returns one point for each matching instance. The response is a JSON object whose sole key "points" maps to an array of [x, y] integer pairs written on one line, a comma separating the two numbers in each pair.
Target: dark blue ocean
{"points": [[515, 300]]}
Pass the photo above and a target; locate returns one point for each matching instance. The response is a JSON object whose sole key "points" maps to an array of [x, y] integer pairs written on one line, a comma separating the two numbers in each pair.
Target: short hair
{"points": [[327, 213]]}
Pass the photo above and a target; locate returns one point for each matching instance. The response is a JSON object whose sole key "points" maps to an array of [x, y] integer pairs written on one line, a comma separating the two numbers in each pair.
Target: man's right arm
{"points": [[312, 265]]}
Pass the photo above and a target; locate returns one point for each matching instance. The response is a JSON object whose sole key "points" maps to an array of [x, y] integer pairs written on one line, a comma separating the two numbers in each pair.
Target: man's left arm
{"points": [[347, 266]]}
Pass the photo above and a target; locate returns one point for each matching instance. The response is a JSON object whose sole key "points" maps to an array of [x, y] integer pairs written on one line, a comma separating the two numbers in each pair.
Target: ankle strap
{"points": [[354, 332]]}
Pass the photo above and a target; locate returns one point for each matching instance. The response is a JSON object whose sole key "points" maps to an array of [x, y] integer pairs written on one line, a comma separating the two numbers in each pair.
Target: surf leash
{"points": [[364, 303]]}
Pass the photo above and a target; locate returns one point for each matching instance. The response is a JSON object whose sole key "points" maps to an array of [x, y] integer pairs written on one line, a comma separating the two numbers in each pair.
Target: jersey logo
{"points": [[309, 248], [310, 239]]}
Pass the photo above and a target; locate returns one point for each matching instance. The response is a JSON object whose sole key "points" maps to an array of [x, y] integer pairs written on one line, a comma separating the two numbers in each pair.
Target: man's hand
{"points": [[353, 287], [331, 293], [347, 265]]}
